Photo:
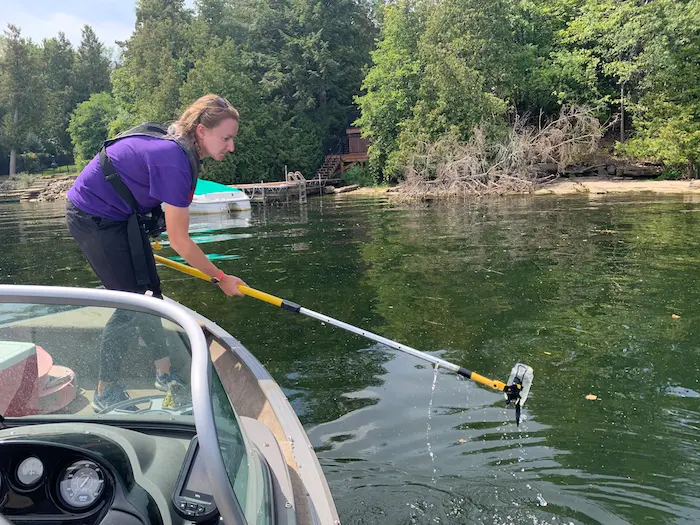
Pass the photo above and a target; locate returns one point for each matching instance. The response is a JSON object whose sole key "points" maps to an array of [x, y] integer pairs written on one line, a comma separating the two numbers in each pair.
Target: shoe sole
{"points": [[96, 407], [161, 386]]}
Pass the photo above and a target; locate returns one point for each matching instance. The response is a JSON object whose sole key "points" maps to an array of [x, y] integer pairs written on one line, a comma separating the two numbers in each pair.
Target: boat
{"points": [[225, 447], [212, 197]]}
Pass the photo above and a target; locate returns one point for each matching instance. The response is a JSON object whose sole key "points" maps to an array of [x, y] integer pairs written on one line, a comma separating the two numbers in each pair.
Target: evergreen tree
{"points": [[156, 60], [58, 60], [22, 92], [92, 67]]}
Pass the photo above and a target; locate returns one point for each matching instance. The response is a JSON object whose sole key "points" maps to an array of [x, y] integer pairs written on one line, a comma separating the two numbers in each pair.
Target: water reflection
{"points": [[597, 294], [220, 221]]}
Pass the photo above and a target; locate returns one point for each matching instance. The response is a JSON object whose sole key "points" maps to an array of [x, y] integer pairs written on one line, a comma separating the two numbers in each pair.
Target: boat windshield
{"points": [[95, 363], [92, 362]]}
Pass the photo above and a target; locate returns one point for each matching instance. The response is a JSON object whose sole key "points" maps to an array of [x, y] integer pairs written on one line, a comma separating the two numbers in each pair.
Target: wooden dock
{"points": [[294, 188]]}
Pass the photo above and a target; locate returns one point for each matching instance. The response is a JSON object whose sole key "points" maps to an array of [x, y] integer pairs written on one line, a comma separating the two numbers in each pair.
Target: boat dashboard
{"points": [[88, 474]]}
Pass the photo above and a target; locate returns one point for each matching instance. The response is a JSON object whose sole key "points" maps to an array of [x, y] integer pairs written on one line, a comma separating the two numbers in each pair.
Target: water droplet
{"points": [[427, 430]]}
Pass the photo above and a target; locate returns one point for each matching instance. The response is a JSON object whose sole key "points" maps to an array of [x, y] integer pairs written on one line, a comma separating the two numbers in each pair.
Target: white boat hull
{"points": [[220, 202]]}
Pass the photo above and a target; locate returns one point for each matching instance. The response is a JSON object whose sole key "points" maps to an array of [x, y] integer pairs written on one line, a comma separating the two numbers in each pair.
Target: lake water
{"points": [[599, 295]]}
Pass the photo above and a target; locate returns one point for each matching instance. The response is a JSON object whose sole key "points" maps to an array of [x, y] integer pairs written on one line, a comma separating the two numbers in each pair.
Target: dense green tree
{"points": [[58, 58], [666, 115], [155, 61], [92, 66], [392, 83], [469, 60], [90, 125], [291, 67], [637, 60], [223, 72], [446, 67], [21, 91]]}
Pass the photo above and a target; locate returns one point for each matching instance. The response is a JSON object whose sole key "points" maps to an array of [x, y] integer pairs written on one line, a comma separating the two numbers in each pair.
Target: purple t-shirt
{"points": [[155, 171]]}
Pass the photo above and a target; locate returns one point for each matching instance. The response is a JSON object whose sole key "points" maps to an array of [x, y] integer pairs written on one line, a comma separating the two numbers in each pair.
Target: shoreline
{"points": [[56, 189], [584, 185]]}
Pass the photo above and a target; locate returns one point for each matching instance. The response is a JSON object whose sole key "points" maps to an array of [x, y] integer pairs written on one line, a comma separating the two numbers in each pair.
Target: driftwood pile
{"points": [[641, 171], [530, 156]]}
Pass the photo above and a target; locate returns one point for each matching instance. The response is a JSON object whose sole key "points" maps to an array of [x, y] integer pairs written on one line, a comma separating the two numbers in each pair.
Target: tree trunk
{"points": [[13, 161], [13, 151], [622, 112]]}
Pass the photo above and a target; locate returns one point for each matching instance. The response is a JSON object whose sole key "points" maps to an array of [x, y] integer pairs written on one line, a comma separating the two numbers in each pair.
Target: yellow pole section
{"points": [[181, 267], [496, 385], [252, 292]]}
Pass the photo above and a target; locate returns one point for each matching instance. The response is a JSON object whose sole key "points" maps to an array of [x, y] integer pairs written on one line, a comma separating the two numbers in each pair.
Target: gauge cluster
{"points": [[84, 474], [49, 482]]}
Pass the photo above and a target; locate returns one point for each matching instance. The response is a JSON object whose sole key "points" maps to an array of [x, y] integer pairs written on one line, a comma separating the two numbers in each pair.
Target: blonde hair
{"points": [[209, 110]]}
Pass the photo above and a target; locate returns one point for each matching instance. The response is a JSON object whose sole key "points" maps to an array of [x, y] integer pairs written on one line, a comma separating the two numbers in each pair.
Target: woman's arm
{"points": [[177, 222]]}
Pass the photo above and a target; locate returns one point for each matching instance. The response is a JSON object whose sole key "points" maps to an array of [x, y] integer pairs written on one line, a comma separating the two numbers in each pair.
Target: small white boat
{"points": [[212, 197], [227, 448]]}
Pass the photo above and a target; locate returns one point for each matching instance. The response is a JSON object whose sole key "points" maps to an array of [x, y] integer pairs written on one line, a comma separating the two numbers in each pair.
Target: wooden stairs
{"points": [[331, 164]]}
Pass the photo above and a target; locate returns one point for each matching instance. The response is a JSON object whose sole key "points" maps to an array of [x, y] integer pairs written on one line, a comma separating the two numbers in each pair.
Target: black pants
{"points": [[105, 244]]}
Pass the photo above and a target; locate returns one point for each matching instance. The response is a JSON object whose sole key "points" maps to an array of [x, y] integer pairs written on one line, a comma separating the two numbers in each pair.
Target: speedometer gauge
{"points": [[30, 471], [81, 484]]}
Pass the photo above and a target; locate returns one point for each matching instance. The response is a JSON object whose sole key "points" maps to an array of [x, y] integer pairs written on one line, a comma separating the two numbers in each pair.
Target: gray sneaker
{"points": [[112, 395], [171, 381]]}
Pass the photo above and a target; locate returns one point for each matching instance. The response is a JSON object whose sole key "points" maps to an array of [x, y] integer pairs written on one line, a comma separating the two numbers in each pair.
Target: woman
{"points": [[107, 207]]}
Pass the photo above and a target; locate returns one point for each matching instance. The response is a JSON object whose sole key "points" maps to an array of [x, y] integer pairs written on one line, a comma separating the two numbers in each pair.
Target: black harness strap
{"points": [[135, 230], [144, 263]]}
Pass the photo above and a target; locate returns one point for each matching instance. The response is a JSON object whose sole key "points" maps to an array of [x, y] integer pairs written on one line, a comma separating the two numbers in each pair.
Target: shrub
{"points": [[359, 175]]}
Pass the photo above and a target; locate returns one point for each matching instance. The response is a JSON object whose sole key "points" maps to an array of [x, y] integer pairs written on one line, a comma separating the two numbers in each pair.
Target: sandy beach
{"points": [[601, 186], [588, 185]]}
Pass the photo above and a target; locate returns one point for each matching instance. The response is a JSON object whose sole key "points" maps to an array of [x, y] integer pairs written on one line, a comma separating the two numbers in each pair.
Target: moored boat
{"points": [[212, 197]]}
